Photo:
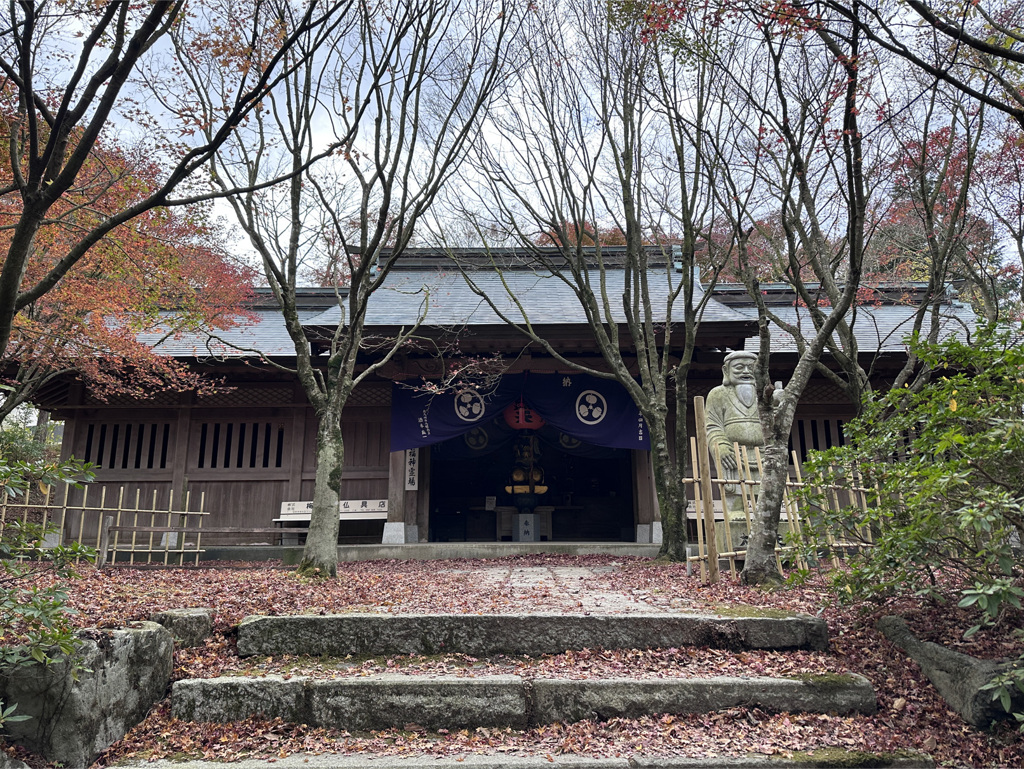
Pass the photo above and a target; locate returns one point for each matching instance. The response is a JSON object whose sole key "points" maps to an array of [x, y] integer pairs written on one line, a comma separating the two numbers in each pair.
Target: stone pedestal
{"points": [[656, 533], [398, 533], [649, 533], [525, 528]]}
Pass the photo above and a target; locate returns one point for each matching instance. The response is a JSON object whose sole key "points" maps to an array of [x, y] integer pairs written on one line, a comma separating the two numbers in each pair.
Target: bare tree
{"points": [[975, 47], [931, 233], [998, 191], [601, 143], [789, 83], [399, 90]]}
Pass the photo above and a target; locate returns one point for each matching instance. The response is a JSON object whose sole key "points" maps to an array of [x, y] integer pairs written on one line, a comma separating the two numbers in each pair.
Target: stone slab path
{"points": [[569, 585], [480, 635], [578, 607], [442, 702]]}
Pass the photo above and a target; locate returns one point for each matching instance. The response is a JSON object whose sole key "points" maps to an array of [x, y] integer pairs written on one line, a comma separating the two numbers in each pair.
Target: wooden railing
{"points": [[121, 530]]}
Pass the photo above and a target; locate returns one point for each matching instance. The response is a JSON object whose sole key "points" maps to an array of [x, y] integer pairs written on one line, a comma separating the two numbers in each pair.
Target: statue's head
{"points": [[738, 368]]}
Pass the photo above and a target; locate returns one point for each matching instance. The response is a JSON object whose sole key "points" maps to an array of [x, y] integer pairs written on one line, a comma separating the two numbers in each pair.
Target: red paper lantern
{"points": [[519, 416]]}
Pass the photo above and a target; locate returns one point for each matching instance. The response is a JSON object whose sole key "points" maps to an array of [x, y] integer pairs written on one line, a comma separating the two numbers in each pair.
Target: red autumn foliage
{"points": [[164, 272]]}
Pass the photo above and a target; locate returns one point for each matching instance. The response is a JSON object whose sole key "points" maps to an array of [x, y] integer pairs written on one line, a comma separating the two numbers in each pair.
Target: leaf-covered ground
{"points": [[911, 714]]}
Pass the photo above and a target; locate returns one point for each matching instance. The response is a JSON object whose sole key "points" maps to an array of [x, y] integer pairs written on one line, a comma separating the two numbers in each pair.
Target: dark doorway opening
{"points": [[588, 497]]}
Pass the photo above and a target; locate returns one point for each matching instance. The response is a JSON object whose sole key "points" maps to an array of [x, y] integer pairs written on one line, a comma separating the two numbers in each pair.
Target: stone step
{"points": [[831, 758], [483, 635], [450, 702]]}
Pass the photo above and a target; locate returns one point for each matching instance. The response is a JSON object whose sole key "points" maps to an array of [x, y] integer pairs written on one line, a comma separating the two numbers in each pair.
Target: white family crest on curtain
{"points": [[594, 411]]}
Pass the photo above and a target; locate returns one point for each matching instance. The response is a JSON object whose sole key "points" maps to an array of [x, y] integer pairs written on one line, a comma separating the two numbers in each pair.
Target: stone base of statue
{"points": [[737, 534], [525, 528]]}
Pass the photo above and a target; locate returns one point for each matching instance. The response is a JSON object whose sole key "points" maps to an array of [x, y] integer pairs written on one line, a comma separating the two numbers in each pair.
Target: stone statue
{"points": [[731, 414]]}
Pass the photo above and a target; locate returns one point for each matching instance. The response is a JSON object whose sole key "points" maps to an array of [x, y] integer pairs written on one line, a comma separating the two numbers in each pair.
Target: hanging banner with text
{"points": [[592, 410], [412, 469]]}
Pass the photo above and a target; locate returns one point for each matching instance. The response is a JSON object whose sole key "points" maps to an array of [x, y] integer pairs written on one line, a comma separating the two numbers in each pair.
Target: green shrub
{"points": [[35, 624], [945, 470]]}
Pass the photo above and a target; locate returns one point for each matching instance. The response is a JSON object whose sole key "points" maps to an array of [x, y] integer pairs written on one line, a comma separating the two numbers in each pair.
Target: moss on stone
{"points": [[825, 680], [836, 758]]}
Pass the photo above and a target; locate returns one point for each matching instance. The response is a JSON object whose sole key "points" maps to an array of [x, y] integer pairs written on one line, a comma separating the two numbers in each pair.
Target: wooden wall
{"points": [[250, 448], [246, 450]]}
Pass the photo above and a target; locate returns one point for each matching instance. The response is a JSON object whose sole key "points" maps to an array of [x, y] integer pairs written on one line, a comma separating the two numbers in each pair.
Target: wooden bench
{"points": [[349, 510]]}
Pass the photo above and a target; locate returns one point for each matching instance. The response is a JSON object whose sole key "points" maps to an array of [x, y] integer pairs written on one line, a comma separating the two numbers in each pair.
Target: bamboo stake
{"points": [[860, 494], [833, 501], [199, 532], [117, 524], [81, 513], [99, 520], [64, 512], [698, 507], [795, 523], [104, 541], [120, 517], [727, 515], [46, 510], [152, 523], [135, 526], [167, 534], [705, 472]]}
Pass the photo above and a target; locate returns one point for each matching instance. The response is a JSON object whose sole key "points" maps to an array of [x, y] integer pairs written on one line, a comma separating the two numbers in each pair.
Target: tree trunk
{"points": [[41, 432], [320, 556], [671, 500], [958, 677], [759, 566]]}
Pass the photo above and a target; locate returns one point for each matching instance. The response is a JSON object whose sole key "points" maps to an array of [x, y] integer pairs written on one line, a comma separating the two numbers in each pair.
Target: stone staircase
{"points": [[457, 702]]}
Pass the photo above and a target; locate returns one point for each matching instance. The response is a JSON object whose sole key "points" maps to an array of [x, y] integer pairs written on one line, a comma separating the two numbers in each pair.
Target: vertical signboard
{"points": [[412, 469]]}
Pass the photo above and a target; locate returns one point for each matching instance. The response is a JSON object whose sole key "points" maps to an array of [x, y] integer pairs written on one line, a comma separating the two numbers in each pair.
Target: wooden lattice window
{"points": [[815, 434], [240, 445], [128, 446]]}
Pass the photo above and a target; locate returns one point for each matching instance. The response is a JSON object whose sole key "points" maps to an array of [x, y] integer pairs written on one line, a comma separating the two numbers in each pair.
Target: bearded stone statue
{"points": [[731, 415]]}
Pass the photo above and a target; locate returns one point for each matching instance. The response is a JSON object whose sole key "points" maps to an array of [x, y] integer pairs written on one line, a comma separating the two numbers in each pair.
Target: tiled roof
{"points": [[543, 298], [877, 328], [428, 282], [263, 331]]}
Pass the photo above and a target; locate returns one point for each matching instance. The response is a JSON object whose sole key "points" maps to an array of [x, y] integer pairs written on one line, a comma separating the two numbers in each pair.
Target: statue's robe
{"points": [[729, 421]]}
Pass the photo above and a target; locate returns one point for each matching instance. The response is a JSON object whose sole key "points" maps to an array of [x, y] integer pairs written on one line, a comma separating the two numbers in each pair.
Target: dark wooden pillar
{"points": [[297, 447], [401, 503]]}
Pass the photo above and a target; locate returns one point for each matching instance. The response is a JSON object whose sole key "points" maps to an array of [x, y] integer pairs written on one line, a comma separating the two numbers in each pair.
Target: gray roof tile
{"points": [[878, 329], [543, 298], [263, 331]]}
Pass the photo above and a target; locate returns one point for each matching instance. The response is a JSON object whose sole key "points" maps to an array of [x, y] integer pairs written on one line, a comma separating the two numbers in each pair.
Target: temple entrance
{"points": [[579, 493], [531, 457]]}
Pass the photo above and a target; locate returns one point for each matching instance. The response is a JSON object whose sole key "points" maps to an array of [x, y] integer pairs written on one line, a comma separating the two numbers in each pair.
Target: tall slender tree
{"points": [[790, 83], [603, 134], [399, 90]]}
